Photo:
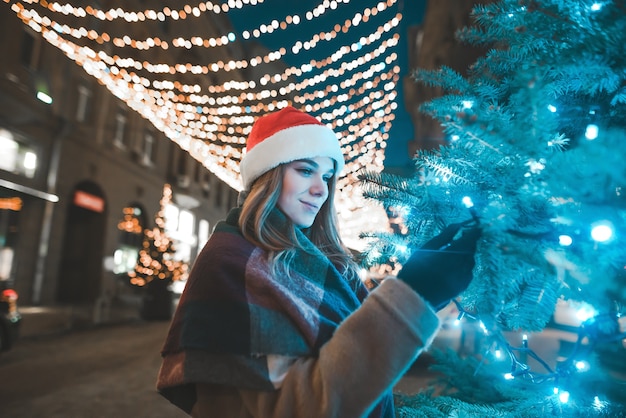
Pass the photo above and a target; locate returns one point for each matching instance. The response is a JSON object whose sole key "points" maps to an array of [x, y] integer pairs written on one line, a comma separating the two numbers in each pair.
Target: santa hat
{"points": [[285, 136]]}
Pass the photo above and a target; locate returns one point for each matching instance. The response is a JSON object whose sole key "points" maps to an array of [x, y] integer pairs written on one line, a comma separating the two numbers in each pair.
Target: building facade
{"points": [[82, 174], [432, 45]]}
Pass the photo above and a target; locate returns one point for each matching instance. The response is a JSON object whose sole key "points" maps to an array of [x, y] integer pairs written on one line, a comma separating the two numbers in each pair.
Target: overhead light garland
{"points": [[188, 11], [148, 14], [131, 63], [352, 88]]}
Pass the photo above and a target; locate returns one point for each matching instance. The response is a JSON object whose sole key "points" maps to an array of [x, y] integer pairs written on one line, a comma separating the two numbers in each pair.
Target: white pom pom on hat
{"points": [[285, 136]]}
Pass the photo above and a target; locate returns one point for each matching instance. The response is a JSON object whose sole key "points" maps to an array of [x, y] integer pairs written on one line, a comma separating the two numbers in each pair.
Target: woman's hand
{"points": [[442, 268]]}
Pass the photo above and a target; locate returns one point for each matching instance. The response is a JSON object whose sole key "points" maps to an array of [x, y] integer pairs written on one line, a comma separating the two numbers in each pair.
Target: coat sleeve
{"points": [[368, 353]]}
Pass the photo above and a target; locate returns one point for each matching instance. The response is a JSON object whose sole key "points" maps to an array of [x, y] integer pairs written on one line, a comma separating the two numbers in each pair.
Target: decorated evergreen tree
{"points": [[536, 139], [157, 266]]}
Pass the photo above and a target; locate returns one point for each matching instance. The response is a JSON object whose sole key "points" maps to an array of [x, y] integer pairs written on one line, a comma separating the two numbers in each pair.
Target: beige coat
{"points": [[368, 353]]}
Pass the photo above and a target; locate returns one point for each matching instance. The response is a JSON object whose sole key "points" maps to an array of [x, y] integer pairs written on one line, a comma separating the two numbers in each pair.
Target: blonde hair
{"points": [[281, 244]]}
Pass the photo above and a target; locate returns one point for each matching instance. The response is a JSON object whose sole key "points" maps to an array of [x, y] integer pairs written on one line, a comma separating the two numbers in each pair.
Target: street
{"points": [[110, 371], [103, 372], [107, 371]]}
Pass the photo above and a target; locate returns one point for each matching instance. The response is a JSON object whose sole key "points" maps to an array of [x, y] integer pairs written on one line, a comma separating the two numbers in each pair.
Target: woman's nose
{"points": [[319, 187]]}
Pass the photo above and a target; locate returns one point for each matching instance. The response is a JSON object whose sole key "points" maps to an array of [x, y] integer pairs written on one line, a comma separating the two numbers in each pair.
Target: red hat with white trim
{"points": [[285, 136]]}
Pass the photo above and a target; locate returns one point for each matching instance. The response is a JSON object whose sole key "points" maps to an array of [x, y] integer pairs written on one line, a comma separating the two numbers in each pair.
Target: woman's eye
{"points": [[305, 171]]}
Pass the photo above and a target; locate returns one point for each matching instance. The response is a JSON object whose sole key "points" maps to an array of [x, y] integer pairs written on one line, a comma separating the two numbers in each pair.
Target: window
{"points": [[130, 242], [120, 129], [171, 213], [180, 226], [206, 185], [203, 233], [197, 174], [182, 178], [218, 194], [125, 259], [185, 222], [30, 50], [82, 107], [15, 156], [147, 149]]}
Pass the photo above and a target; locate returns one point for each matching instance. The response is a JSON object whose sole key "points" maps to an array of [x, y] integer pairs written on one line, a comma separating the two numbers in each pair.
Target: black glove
{"points": [[442, 268]]}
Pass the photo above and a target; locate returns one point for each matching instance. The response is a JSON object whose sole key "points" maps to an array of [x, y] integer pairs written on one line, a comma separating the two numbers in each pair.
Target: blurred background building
{"points": [[81, 176]]}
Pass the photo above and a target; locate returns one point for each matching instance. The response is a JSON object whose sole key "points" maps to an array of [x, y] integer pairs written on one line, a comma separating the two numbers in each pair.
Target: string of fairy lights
{"points": [[148, 14], [595, 329], [187, 12], [208, 107]]}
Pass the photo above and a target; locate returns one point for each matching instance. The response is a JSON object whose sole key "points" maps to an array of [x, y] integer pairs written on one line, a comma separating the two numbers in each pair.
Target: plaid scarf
{"points": [[234, 311]]}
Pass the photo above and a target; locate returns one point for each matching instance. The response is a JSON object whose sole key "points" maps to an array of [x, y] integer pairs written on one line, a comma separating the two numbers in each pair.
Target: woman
{"points": [[273, 321]]}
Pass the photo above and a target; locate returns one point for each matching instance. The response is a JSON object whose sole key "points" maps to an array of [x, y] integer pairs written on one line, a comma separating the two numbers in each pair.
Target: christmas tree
{"points": [[536, 136], [157, 266]]}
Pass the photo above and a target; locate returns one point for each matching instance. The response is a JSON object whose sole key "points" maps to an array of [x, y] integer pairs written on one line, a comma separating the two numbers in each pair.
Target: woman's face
{"points": [[305, 189]]}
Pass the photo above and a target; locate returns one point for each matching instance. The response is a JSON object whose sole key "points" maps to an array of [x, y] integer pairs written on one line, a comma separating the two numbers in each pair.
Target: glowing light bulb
{"points": [[564, 396], [565, 240], [402, 249], [552, 108], [467, 201], [581, 366], [596, 6], [591, 132], [601, 232], [585, 312], [467, 104]]}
